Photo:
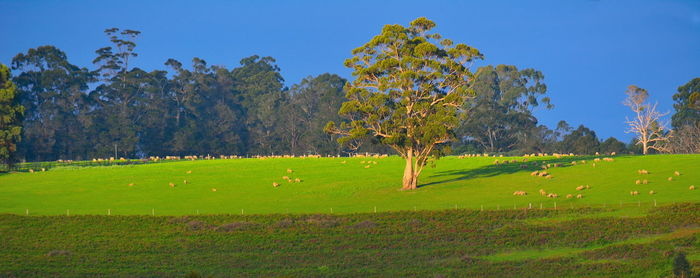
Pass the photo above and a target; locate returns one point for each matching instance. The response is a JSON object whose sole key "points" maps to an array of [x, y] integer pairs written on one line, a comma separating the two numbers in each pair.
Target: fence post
{"points": [[67, 212], [555, 205], [153, 212], [109, 211], [27, 212], [375, 209]]}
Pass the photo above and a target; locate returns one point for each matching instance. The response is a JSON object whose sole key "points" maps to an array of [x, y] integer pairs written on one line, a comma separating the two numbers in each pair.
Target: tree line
{"points": [[58, 110]]}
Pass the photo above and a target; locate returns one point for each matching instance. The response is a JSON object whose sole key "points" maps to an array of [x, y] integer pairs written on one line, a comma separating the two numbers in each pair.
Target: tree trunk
{"points": [[644, 147], [409, 179]]}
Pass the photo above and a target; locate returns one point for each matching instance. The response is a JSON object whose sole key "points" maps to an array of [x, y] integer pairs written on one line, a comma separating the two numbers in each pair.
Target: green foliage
{"points": [[687, 104], [613, 145], [11, 113], [312, 103], [499, 117], [409, 84], [681, 267]]}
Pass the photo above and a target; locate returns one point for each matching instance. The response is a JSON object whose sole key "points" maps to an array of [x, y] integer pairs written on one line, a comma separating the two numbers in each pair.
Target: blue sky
{"points": [[589, 51]]}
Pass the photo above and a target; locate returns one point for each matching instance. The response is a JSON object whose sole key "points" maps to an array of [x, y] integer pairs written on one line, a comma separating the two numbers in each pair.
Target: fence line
{"points": [[373, 210]]}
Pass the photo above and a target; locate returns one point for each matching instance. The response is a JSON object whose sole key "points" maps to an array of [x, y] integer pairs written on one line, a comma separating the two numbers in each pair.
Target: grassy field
{"points": [[447, 243], [344, 185]]}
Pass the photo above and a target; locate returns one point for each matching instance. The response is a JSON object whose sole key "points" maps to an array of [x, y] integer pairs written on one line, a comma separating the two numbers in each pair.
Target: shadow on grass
{"points": [[527, 165]]}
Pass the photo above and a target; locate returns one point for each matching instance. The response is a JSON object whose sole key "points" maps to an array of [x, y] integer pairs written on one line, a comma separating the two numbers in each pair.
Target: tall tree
{"points": [[687, 104], [501, 113], [57, 116], [581, 141], [118, 96], [313, 103], [260, 85], [611, 145], [647, 123], [409, 84], [11, 113]]}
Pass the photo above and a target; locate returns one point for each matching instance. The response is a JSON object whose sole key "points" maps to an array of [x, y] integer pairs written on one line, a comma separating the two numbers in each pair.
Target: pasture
{"points": [[447, 243], [348, 185]]}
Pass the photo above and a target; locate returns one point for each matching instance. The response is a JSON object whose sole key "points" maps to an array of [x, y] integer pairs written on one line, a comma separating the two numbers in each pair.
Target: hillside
{"points": [[346, 185]]}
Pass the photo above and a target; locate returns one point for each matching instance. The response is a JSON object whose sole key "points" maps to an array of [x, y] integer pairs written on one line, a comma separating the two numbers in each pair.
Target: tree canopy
{"points": [[11, 113]]}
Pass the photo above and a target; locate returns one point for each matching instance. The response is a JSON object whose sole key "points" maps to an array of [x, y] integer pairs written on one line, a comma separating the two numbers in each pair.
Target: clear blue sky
{"points": [[589, 51]]}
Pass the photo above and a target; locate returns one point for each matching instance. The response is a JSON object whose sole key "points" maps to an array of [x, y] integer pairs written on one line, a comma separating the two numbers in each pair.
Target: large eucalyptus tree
{"points": [[409, 84]]}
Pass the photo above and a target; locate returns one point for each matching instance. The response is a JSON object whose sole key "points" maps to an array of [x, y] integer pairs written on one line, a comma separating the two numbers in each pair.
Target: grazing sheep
{"points": [[290, 181], [534, 173], [569, 196], [43, 169], [670, 178], [496, 162], [613, 153], [213, 189], [645, 181], [362, 162], [290, 171], [519, 193], [171, 184], [549, 177], [643, 172], [297, 180], [573, 162], [638, 182], [552, 195], [184, 182], [542, 192], [543, 173], [596, 160], [692, 187], [677, 173], [580, 187], [579, 196], [343, 162], [189, 172], [131, 184], [596, 153], [274, 184], [285, 177], [652, 192], [634, 193], [593, 164], [31, 170], [366, 166]]}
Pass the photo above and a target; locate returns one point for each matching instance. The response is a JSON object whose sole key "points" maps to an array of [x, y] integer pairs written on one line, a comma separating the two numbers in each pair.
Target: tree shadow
{"points": [[513, 166]]}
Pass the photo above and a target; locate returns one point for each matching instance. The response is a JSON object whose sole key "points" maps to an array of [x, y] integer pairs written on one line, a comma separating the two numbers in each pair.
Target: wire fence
{"points": [[526, 207]]}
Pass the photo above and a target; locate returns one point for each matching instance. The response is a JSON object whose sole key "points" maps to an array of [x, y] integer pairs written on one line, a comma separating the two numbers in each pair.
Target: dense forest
{"points": [[117, 109]]}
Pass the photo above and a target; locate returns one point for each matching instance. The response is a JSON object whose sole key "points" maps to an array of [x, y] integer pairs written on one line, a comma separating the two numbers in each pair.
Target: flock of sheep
{"points": [[545, 174]]}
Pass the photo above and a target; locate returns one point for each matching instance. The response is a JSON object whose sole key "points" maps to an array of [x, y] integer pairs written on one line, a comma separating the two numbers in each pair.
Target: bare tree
{"points": [[686, 139], [647, 123]]}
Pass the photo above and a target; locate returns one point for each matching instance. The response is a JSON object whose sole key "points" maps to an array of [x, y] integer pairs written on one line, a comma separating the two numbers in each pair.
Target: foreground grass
{"points": [[328, 184], [465, 243]]}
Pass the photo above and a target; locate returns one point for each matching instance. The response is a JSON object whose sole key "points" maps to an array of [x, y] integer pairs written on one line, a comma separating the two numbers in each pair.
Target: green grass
{"points": [[327, 184], [447, 243]]}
